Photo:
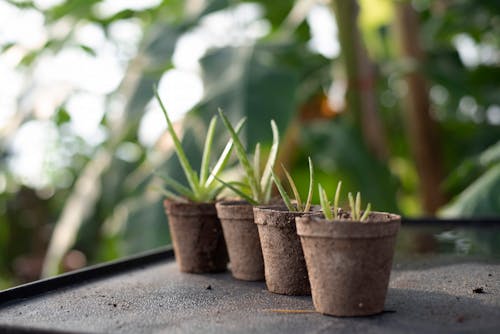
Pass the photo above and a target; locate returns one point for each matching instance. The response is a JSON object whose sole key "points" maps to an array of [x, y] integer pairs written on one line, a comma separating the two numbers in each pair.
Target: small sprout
{"points": [[336, 199], [311, 186], [260, 186], [356, 208], [300, 207], [325, 203], [353, 207], [367, 212]]}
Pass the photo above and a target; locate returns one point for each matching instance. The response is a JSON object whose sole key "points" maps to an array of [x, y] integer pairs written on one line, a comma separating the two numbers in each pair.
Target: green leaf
{"points": [[224, 157], [240, 193], [89, 50], [170, 195], [352, 205], [366, 213], [256, 161], [179, 188], [271, 160], [292, 185], [215, 192], [480, 199], [336, 199], [186, 166], [243, 158], [358, 205], [62, 116], [283, 193], [205, 161], [325, 204], [311, 185]]}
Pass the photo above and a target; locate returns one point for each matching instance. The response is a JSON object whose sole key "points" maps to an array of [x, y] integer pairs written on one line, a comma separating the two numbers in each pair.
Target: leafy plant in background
{"points": [[298, 206], [265, 79], [258, 182], [202, 187]]}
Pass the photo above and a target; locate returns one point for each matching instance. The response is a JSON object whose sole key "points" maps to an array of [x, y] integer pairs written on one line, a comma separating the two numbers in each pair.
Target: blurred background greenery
{"points": [[399, 99]]}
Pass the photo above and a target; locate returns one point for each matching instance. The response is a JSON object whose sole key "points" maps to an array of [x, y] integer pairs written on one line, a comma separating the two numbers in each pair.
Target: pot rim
{"points": [[315, 226], [177, 208]]}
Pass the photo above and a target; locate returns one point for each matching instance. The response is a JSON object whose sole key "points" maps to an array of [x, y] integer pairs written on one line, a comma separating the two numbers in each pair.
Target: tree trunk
{"points": [[421, 127], [360, 72]]}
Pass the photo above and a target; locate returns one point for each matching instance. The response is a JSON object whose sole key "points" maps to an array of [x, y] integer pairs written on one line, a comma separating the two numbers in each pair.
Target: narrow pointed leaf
{"points": [[242, 157], [205, 161], [367, 212], [186, 166], [256, 161], [358, 205], [176, 186], [283, 193], [311, 186], [241, 185], [293, 186], [170, 195], [325, 204], [215, 192], [353, 207], [240, 193], [336, 199], [224, 157], [271, 160]]}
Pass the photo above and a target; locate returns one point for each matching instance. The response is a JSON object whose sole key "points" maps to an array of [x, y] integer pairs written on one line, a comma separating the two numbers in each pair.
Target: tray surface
{"points": [[431, 297], [445, 279]]}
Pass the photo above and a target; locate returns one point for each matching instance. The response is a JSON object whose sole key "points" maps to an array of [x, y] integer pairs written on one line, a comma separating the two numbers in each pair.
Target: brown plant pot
{"points": [[285, 267], [242, 238], [197, 237], [349, 263]]}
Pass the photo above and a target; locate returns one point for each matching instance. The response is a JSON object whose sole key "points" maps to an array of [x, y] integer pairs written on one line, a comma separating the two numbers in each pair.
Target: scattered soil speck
{"points": [[461, 318], [209, 287], [478, 290]]}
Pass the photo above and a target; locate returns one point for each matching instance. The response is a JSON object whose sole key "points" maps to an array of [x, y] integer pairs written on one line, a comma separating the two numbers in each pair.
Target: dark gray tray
{"points": [[147, 294]]}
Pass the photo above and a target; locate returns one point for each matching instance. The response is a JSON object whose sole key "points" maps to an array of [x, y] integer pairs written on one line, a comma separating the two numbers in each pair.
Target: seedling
{"points": [[298, 207], [354, 204], [258, 183], [202, 186], [325, 203], [356, 208]]}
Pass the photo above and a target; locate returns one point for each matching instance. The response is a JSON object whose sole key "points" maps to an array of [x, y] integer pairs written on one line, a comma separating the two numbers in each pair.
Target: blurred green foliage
{"points": [[275, 76]]}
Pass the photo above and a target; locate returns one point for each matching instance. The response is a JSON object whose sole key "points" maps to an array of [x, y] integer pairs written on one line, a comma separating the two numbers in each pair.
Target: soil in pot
{"points": [[285, 267], [242, 239], [197, 237], [349, 263]]}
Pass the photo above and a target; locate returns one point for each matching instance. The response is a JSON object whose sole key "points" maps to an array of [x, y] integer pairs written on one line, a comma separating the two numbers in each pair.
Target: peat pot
{"points": [[242, 238], [349, 263], [197, 237], [285, 267]]}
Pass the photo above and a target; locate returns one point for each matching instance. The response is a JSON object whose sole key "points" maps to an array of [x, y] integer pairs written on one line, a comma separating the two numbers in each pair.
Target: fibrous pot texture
{"points": [[349, 263], [284, 263], [197, 237], [242, 238]]}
